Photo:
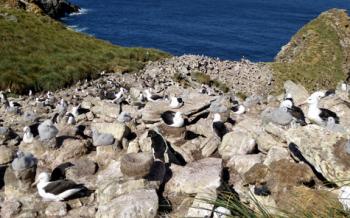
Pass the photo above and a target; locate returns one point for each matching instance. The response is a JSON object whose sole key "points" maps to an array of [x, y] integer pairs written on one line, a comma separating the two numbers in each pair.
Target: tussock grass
{"points": [[39, 53], [314, 56], [299, 202]]}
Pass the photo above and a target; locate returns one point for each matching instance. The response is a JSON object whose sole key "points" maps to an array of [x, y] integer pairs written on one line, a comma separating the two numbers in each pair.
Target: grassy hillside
{"points": [[317, 55], [39, 53]]}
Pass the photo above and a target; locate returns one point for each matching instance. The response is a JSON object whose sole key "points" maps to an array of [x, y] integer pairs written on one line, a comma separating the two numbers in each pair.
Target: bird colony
{"points": [[126, 146]]}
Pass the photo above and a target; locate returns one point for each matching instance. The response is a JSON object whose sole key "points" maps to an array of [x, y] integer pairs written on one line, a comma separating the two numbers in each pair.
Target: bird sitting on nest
{"points": [[176, 102], [152, 97], [318, 115], [173, 119], [58, 190]]}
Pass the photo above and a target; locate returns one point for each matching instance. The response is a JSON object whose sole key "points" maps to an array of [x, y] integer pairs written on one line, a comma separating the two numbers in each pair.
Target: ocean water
{"points": [[228, 29]]}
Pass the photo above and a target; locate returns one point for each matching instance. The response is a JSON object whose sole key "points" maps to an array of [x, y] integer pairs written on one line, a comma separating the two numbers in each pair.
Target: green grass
{"points": [[203, 78], [39, 53], [315, 57]]}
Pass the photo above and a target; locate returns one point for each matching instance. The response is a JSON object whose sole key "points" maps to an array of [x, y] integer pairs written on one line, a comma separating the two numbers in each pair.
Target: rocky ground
{"points": [[276, 162]]}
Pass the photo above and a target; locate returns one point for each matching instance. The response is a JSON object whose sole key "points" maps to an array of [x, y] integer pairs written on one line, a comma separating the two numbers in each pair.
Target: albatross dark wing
{"points": [[168, 117], [325, 113], [57, 187], [298, 114], [60, 171], [219, 129]]}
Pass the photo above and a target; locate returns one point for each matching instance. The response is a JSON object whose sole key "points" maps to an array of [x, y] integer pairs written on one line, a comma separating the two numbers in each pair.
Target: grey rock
{"points": [[136, 204]]}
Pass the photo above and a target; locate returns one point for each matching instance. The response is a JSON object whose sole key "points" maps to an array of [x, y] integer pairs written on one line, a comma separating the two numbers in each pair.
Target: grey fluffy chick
{"points": [[124, 117], [23, 161], [47, 130], [278, 116], [101, 139]]}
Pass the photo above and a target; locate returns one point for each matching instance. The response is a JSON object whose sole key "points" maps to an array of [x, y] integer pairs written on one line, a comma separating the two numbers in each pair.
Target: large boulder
{"points": [[195, 177], [325, 150], [235, 143], [141, 203]]}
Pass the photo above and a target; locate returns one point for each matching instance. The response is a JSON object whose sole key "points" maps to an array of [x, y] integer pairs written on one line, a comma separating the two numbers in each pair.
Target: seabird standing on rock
{"points": [[319, 115], [173, 119], [163, 151], [219, 126], [71, 119], [58, 190], [152, 97], [119, 95], [28, 136], [176, 103]]}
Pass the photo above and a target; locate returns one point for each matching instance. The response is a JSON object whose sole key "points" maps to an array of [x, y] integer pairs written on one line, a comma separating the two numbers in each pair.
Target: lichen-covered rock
{"points": [[325, 150], [298, 92], [243, 162], [118, 130], [10, 208], [141, 203], [195, 177], [235, 143], [6, 154]]}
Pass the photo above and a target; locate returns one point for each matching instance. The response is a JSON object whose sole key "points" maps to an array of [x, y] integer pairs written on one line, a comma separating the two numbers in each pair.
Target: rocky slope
{"points": [[53, 8], [283, 165]]}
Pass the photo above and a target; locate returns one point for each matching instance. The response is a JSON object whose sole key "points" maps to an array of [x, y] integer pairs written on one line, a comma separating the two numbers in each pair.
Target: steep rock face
{"points": [[318, 54], [53, 8], [56, 8]]}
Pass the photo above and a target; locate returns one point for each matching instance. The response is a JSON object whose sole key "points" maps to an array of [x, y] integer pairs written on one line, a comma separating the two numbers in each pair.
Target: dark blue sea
{"points": [[228, 29]]}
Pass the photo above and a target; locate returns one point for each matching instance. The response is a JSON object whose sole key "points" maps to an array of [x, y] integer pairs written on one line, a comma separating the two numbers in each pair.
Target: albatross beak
{"points": [[35, 183], [303, 103]]}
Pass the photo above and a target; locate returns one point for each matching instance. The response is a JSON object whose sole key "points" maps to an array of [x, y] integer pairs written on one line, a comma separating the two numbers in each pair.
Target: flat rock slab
{"points": [[325, 150], [118, 130], [195, 177], [137, 204], [192, 102]]}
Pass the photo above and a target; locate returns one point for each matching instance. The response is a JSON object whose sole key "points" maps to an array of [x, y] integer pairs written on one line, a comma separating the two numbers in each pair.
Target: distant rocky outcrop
{"points": [[53, 8]]}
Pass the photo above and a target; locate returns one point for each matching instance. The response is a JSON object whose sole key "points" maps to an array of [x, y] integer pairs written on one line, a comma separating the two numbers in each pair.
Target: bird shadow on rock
{"points": [[203, 115], [80, 131], [294, 149], [189, 135], [60, 140], [2, 176], [161, 172]]}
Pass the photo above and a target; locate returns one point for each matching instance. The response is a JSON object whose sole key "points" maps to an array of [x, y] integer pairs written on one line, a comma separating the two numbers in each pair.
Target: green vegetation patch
{"points": [[205, 79], [314, 57], [39, 53]]}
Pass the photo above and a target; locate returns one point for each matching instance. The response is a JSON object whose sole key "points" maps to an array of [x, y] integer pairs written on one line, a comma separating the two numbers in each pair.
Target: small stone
{"points": [[56, 209], [10, 208], [6, 154]]}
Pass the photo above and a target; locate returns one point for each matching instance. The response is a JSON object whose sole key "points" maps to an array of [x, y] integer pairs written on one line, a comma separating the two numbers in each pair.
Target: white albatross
{"points": [[58, 190]]}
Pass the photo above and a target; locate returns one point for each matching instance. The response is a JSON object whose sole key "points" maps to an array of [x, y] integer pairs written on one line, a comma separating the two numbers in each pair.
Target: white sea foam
{"points": [[80, 12], [76, 28]]}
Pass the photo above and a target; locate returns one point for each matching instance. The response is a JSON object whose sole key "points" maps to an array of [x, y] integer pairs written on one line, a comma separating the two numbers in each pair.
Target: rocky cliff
{"points": [[53, 8]]}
